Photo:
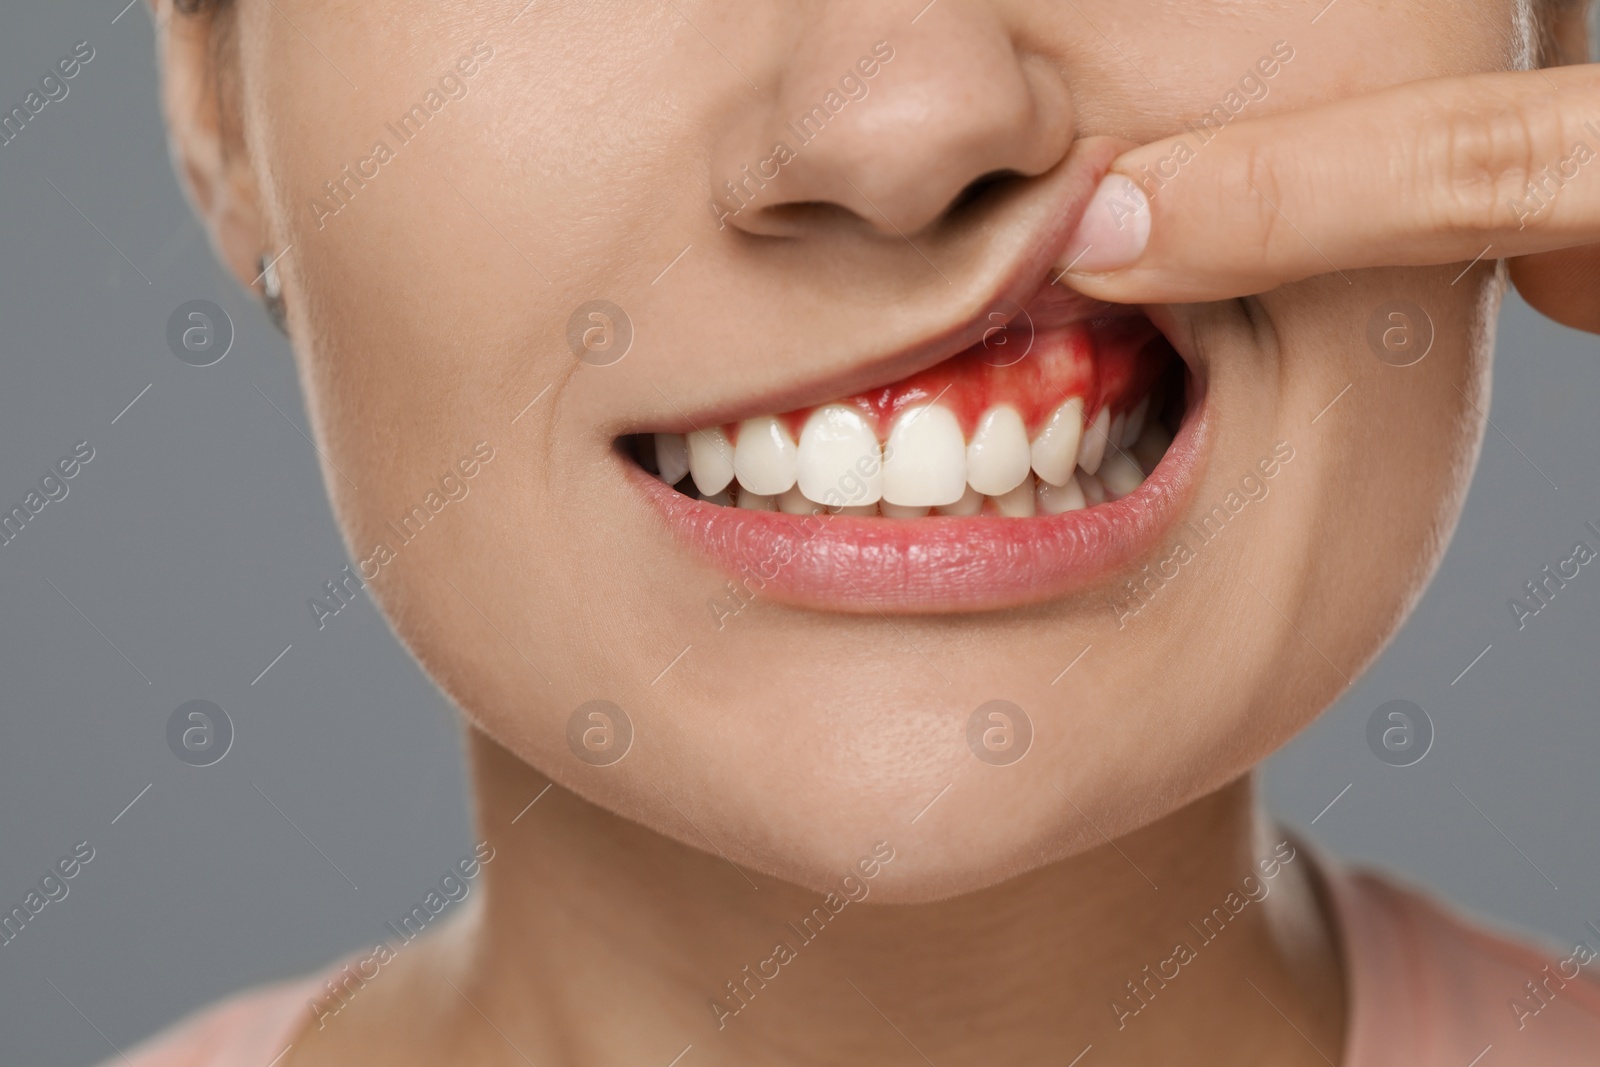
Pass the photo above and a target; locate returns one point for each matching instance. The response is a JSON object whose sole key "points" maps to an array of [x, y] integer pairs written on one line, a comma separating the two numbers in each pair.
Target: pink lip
{"points": [[935, 564]]}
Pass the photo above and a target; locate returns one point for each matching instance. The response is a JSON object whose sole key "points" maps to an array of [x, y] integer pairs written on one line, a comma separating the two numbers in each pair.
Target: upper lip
{"points": [[1051, 206]]}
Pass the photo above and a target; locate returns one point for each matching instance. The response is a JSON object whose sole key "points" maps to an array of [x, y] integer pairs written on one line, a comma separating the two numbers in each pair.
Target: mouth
{"points": [[1024, 468]]}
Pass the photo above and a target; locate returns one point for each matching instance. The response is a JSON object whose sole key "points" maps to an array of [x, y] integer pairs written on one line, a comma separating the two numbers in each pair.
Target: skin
{"points": [[430, 314]]}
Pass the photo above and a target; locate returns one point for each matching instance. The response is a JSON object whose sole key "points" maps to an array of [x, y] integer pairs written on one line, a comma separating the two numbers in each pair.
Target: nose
{"points": [[889, 121]]}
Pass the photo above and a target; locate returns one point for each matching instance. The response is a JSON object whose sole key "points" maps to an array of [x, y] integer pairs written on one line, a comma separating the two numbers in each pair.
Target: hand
{"points": [[1476, 168]]}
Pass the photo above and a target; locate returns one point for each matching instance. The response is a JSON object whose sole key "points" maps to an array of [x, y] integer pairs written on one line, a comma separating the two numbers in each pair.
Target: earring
{"points": [[272, 293]]}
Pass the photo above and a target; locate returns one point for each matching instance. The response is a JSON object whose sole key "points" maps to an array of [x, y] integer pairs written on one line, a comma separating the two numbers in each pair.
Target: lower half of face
{"points": [[800, 535]]}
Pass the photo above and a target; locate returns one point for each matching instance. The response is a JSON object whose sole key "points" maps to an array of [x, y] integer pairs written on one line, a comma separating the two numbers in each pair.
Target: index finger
{"points": [[1439, 171]]}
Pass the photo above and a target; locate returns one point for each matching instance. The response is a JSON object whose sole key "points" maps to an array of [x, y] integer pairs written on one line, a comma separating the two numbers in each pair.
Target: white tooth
{"points": [[1152, 444], [1120, 474], [1093, 491], [901, 511], [839, 460], [1093, 448], [672, 457], [1130, 433], [857, 510], [710, 460], [1017, 504], [756, 502], [764, 458], [971, 503], [1058, 499], [998, 457], [793, 502], [721, 498], [925, 461], [1118, 425], [1055, 451]]}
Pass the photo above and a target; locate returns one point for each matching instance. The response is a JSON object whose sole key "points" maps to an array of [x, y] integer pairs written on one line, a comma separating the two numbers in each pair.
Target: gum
{"points": [[1112, 362]]}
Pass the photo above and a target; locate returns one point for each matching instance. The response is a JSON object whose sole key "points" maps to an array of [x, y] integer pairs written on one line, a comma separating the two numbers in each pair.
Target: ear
{"points": [[196, 57], [1564, 32]]}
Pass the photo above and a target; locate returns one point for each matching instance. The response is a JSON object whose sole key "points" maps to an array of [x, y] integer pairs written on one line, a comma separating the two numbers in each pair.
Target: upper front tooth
{"points": [[1093, 448], [1118, 424], [925, 462], [998, 457], [839, 462], [710, 460], [764, 458], [1055, 450], [672, 457]]}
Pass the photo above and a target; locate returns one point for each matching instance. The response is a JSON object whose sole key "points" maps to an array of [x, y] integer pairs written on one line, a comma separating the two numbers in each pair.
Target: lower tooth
{"points": [[793, 502], [722, 498], [971, 503], [1120, 474], [1093, 491], [1093, 447], [757, 502], [1059, 499], [1017, 504], [857, 510], [900, 511]]}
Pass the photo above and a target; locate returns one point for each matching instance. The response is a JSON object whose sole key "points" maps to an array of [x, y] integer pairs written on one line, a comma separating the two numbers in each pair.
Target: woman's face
{"points": [[460, 186]]}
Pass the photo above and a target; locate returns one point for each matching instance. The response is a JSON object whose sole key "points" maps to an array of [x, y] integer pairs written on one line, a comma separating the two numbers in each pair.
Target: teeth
{"points": [[1093, 448], [1120, 474], [1130, 433], [998, 457], [793, 502], [764, 459], [1094, 492], [756, 502], [710, 460], [1017, 504], [926, 464], [1058, 499], [672, 457], [971, 503], [838, 458], [1056, 450]]}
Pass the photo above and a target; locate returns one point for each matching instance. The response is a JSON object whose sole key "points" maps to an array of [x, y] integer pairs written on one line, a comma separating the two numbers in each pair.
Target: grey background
{"points": [[188, 546]]}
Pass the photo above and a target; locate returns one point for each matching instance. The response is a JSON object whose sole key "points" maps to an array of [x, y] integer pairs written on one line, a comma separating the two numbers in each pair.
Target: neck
{"points": [[1201, 938]]}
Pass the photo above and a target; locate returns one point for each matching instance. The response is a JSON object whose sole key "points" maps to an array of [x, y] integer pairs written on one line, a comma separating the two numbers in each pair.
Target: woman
{"points": [[925, 456]]}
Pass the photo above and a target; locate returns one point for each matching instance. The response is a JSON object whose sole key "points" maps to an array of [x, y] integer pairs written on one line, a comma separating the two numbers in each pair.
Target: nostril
{"points": [[981, 186]]}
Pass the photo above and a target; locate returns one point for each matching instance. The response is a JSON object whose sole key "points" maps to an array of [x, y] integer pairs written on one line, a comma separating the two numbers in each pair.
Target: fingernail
{"points": [[1114, 230]]}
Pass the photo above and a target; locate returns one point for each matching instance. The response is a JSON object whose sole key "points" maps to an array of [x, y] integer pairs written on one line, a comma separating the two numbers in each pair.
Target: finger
{"points": [[1439, 171], [1563, 285]]}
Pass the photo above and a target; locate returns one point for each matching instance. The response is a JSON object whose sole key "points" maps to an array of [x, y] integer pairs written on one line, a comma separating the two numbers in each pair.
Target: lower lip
{"points": [[934, 565]]}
